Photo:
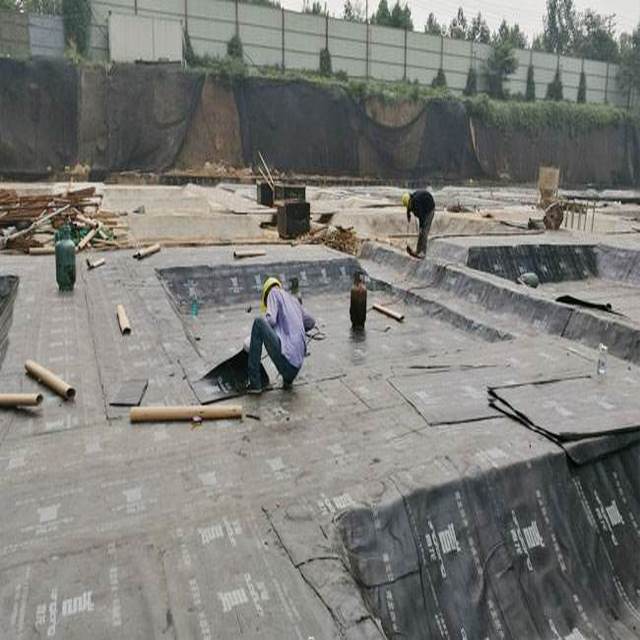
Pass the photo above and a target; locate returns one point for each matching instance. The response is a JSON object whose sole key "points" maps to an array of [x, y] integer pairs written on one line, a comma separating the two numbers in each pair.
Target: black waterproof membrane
{"points": [[8, 291]]}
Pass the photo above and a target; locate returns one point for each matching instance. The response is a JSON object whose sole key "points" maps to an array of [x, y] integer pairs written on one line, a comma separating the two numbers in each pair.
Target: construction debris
{"points": [[337, 238], [29, 222], [187, 413], [13, 400], [388, 312], [141, 254], [123, 320], [238, 254], [94, 264], [50, 379]]}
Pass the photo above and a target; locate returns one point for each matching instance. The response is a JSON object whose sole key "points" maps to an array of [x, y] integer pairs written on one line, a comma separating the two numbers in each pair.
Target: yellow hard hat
{"points": [[405, 200], [266, 287]]}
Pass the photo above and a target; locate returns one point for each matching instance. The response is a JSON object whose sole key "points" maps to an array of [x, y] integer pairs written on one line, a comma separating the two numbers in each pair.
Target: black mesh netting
{"points": [[38, 116], [148, 112]]}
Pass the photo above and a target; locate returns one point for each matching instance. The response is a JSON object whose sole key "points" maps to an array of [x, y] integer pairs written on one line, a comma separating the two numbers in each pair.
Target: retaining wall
{"points": [[155, 118]]}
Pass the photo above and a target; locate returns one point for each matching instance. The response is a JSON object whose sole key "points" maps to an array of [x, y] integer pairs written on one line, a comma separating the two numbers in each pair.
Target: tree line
{"points": [[566, 31]]}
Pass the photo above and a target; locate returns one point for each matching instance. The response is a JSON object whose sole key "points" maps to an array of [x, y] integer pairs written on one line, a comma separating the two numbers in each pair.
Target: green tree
{"points": [[629, 73], [582, 88], [501, 63], [479, 30], [458, 26], [512, 36], [314, 8], [560, 26], [471, 87], [440, 81], [595, 37], [7, 5], [77, 24], [401, 17], [264, 3], [530, 92], [382, 15], [353, 11], [554, 88], [433, 27]]}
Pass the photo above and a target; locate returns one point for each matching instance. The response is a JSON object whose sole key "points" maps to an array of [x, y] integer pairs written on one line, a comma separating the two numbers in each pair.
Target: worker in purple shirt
{"points": [[282, 331]]}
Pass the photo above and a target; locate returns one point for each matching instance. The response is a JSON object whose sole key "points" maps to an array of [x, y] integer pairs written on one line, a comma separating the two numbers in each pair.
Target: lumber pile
{"points": [[28, 222]]}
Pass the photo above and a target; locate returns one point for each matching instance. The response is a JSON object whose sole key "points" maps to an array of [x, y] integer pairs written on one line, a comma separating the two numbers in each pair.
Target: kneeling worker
{"points": [[282, 332], [423, 207]]}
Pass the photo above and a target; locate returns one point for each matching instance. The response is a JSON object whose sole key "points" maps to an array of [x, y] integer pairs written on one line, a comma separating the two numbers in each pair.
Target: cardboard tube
{"points": [[248, 253], [123, 321], [389, 312], [20, 399], [95, 264], [49, 379], [41, 251], [145, 253], [88, 238], [172, 414]]}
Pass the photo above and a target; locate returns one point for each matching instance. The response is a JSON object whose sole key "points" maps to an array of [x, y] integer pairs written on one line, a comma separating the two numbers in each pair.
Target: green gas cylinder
{"points": [[65, 259]]}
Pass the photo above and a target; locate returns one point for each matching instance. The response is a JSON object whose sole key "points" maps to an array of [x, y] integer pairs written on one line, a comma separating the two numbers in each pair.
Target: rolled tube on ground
{"points": [[123, 320], [145, 253], [185, 413], [50, 379], [20, 399]]}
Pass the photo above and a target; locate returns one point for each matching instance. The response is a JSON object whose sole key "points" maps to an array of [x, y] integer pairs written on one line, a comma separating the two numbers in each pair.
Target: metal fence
{"points": [[293, 40]]}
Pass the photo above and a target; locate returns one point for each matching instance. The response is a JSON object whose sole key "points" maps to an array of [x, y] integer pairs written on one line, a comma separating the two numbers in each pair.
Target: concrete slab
{"points": [[120, 530]]}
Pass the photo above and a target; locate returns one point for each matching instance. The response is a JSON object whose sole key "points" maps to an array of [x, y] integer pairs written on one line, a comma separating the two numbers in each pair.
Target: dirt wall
{"points": [[154, 118]]}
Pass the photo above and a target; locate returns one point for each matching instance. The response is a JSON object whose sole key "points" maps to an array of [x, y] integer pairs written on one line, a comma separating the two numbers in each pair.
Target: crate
{"points": [[294, 219], [283, 192], [265, 194]]}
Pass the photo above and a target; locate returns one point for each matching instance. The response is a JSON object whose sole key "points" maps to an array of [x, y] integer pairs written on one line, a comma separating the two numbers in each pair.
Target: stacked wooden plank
{"points": [[28, 222]]}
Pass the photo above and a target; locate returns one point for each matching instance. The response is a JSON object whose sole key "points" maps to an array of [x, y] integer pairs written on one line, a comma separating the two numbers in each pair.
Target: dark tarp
{"points": [[8, 292], [229, 379], [536, 550], [575, 408], [148, 111], [551, 263], [297, 126], [38, 116], [311, 129]]}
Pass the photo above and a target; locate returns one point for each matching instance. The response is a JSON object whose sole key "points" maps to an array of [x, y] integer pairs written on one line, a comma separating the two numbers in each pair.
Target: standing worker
{"points": [[282, 331], [423, 207]]}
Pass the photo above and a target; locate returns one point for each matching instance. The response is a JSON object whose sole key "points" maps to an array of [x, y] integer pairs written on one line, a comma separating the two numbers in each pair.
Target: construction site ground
{"points": [[296, 521]]}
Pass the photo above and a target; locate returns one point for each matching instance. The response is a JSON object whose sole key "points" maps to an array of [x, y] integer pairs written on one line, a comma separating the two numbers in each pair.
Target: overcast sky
{"points": [[528, 13]]}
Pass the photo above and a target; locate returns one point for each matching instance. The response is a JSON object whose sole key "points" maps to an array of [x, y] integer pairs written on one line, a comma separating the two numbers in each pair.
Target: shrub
{"points": [[76, 15], [234, 47], [554, 88], [530, 94], [501, 62], [440, 81], [325, 62], [582, 88], [472, 83], [189, 54]]}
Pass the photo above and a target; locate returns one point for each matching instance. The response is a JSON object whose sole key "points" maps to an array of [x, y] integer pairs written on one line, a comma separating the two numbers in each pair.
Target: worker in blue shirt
{"points": [[282, 331]]}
